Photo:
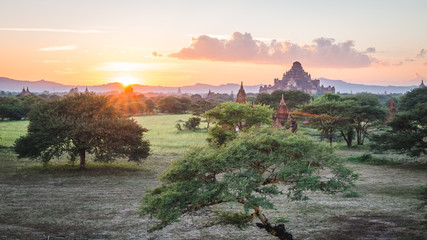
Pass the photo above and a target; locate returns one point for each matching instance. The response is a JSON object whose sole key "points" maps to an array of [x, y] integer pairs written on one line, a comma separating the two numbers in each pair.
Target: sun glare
{"points": [[126, 80]]}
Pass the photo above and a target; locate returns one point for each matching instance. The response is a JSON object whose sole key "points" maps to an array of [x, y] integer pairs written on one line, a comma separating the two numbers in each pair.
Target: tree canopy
{"points": [[292, 98], [408, 128], [246, 171], [231, 117], [79, 124]]}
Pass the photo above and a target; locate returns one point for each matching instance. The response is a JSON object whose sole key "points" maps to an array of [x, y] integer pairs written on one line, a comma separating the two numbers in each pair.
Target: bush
{"points": [[370, 160], [350, 194], [192, 123], [178, 126]]}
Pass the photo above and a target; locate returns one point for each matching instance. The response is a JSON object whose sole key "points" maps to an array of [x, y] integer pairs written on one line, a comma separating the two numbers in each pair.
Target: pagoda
{"points": [[392, 109], [297, 79], [282, 114], [241, 95]]}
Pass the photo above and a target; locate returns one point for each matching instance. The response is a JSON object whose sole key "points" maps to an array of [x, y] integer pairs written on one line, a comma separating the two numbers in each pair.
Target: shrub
{"points": [[370, 160], [178, 126], [192, 123]]}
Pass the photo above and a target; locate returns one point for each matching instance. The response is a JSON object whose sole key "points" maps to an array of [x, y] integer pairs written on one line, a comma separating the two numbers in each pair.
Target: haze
{"points": [[177, 43]]}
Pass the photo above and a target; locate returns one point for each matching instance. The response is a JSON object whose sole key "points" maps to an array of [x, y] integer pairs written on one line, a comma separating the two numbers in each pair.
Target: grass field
{"points": [[62, 202]]}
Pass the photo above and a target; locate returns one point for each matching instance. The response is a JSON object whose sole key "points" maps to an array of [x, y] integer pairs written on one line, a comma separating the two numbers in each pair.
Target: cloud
{"points": [[324, 52], [51, 30], [370, 50], [421, 53], [59, 48]]}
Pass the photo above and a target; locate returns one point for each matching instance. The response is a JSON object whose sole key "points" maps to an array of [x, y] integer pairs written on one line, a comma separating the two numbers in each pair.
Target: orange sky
{"points": [[214, 43]]}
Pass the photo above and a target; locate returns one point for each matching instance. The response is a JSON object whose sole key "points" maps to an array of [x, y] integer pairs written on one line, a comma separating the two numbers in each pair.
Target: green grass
{"points": [[165, 138], [371, 160], [162, 134], [10, 131]]}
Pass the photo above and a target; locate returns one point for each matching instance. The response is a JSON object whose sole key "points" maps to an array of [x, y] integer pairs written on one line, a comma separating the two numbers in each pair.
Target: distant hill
{"points": [[345, 87], [7, 84]]}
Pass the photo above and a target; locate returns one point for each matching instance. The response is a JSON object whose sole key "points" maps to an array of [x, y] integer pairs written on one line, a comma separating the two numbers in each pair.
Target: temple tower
{"points": [[392, 109], [282, 113], [422, 84], [241, 95]]}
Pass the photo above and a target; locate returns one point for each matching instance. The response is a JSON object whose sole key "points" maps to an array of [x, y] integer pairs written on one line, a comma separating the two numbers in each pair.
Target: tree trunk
{"points": [[279, 230], [348, 136], [82, 154]]}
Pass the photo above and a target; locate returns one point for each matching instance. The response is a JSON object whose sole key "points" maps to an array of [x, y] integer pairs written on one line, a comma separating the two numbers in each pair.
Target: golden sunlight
{"points": [[127, 80]]}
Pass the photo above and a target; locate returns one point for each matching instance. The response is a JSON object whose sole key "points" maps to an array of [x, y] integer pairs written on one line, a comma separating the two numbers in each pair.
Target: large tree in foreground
{"points": [[246, 171], [80, 124]]}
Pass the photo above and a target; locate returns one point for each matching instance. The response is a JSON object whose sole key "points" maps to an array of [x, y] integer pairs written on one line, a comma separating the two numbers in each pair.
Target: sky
{"points": [[183, 42]]}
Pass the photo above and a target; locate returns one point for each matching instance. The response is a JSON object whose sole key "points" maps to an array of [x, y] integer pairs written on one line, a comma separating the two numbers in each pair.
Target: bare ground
{"points": [[87, 205]]}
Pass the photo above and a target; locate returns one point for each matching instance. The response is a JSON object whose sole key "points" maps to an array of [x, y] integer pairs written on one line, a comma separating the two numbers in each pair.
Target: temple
{"points": [[282, 114], [241, 95], [392, 109], [297, 79], [422, 84], [25, 92]]}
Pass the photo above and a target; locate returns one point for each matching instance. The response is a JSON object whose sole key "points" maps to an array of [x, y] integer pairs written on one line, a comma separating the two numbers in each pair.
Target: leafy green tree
{"points": [[365, 111], [231, 117], [408, 133], [173, 104], [328, 115], [79, 124], [246, 171], [291, 97], [192, 123], [149, 106]]}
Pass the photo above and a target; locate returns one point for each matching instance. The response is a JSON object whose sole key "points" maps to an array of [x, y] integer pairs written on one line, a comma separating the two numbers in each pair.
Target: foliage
{"points": [[364, 111], [78, 124], [178, 127], [328, 115], [231, 117], [200, 107], [422, 194], [17, 108], [370, 160], [192, 123], [173, 104], [350, 194], [408, 128], [245, 171], [350, 116], [292, 98]]}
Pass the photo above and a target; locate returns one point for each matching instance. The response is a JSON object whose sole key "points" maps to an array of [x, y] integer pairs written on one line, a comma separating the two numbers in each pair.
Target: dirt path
{"points": [[88, 206]]}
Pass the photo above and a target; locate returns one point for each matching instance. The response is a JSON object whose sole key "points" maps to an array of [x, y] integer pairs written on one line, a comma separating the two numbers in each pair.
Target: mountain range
{"points": [[12, 85]]}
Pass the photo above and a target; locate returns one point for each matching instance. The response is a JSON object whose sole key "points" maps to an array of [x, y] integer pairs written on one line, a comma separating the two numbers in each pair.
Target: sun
{"points": [[126, 80]]}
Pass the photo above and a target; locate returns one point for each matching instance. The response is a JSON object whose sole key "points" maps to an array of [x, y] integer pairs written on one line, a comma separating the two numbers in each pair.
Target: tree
{"points": [[246, 171], [408, 128], [192, 123], [328, 115], [365, 111], [173, 104], [231, 117], [292, 98], [78, 124]]}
